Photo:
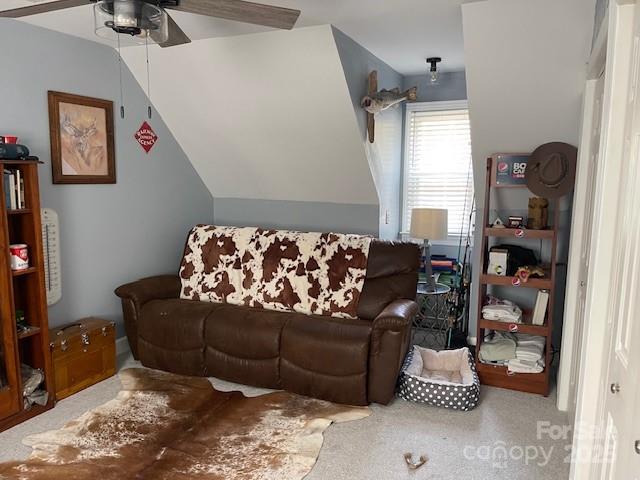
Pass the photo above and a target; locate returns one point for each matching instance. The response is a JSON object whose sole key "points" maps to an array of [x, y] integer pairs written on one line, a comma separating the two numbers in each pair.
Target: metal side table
{"points": [[431, 324]]}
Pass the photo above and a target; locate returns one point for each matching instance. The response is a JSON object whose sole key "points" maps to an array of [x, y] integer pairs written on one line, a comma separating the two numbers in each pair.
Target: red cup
{"points": [[10, 139]]}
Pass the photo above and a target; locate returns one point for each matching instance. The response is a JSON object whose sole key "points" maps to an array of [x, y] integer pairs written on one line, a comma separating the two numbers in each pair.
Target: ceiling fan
{"points": [[149, 18]]}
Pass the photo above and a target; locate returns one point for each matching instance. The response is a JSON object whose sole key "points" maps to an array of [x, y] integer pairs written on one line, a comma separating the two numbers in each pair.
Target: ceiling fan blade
{"points": [[241, 11], [42, 8], [176, 35]]}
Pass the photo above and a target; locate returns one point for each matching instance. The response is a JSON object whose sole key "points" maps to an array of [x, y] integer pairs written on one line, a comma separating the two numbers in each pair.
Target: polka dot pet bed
{"points": [[445, 379]]}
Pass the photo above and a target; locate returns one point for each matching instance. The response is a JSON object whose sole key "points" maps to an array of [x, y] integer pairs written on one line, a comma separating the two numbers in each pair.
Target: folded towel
{"points": [[524, 366], [529, 347], [501, 347], [525, 339], [502, 314], [532, 353], [499, 363], [501, 310]]}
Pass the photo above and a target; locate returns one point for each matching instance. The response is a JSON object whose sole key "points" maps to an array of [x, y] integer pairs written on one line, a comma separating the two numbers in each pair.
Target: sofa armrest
{"points": [[390, 340], [134, 295]]}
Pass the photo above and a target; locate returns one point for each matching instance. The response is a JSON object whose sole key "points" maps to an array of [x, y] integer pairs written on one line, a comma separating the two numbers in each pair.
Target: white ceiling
{"points": [[400, 32]]}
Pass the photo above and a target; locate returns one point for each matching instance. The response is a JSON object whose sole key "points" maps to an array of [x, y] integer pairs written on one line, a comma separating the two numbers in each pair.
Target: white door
{"points": [[585, 243], [620, 430]]}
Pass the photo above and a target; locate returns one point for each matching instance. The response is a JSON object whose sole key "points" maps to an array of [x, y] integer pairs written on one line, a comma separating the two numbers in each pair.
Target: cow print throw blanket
{"points": [[169, 427], [311, 273]]}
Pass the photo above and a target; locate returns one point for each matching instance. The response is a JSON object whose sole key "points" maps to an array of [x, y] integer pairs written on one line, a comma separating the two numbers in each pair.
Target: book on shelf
{"points": [[7, 188], [23, 202], [18, 183], [13, 183], [540, 309]]}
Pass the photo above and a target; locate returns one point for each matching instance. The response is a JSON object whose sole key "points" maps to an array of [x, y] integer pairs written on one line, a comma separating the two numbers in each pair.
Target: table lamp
{"points": [[429, 224]]}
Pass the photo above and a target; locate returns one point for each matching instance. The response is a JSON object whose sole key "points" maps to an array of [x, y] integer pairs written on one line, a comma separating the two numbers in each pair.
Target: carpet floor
{"points": [[510, 435]]}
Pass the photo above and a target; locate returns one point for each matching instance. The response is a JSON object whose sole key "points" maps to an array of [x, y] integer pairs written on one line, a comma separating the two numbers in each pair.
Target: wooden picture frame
{"points": [[82, 139]]}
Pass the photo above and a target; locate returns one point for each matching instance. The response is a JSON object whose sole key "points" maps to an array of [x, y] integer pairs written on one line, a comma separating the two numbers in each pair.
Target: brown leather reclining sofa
{"points": [[341, 360]]}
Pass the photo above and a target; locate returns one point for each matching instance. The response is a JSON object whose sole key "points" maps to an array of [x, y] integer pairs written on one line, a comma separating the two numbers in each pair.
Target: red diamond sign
{"points": [[146, 137]]}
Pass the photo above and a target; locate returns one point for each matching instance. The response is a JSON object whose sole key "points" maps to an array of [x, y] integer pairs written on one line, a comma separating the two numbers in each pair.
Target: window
{"points": [[437, 168]]}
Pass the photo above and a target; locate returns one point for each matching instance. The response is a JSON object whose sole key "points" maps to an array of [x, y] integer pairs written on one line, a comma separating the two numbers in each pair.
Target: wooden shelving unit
{"points": [[22, 211], [512, 232], [20, 273], [525, 327], [22, 290], [28, 333], [497, 375], [537, 283]]}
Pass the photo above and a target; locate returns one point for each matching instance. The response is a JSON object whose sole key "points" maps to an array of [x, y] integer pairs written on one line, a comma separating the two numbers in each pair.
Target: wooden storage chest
{"points": [[83, 354]]}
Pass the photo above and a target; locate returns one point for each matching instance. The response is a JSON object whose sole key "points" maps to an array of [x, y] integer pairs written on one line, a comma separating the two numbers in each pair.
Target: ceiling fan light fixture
{"points": [[135, 18]]}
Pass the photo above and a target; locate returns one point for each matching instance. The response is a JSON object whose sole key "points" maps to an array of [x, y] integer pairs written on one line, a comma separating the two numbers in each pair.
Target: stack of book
{"points": [[14, 189], [440, 263]]}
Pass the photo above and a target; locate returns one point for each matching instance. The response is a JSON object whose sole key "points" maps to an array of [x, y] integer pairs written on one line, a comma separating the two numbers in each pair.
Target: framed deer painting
{"points": [[82, 139]]}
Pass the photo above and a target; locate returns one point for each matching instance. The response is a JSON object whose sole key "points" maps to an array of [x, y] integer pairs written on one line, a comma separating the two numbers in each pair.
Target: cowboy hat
{"points": [[551, 170]]}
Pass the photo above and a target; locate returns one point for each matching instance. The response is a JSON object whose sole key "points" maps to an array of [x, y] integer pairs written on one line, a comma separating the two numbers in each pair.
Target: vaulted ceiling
{"points": [[270, 118], [400, 32]]}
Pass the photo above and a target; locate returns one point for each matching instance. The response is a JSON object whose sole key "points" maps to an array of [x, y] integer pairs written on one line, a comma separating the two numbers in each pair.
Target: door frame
{"points": [[570, 352], [569, 355], [592, 387]]}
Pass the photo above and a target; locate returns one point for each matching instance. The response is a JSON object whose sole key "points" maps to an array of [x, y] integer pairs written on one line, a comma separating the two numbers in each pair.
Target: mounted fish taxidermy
{"points": [[378, 101], [387, 98]]}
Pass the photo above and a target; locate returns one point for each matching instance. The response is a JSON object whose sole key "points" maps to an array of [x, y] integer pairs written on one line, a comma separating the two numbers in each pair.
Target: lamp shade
{"points": [[429, 223]]}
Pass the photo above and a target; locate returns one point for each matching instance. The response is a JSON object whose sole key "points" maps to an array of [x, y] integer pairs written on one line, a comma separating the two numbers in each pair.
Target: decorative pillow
{"points": [[311, 273]]}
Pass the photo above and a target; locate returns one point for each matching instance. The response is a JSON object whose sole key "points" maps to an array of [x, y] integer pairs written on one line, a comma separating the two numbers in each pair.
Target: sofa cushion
{"points": [[326, 358], [243, 344], [171, 335]]}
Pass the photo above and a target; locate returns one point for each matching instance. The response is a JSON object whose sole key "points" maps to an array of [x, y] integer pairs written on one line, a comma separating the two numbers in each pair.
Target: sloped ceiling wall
{"points": [[385, 155], [265, 116], [527, 92]]}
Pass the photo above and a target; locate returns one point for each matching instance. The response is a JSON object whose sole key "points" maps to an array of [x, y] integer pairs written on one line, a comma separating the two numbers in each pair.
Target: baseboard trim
{"points": [[122, 346]]}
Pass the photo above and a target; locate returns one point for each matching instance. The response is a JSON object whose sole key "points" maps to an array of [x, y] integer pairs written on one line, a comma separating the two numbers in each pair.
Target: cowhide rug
{"points": [[165, 426]]}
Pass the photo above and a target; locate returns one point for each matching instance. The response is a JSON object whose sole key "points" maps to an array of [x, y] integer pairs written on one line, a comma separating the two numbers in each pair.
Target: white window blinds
{"points": [[437, 169]]}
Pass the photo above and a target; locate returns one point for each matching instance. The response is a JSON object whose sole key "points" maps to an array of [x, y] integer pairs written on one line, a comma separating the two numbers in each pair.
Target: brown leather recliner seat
{"points": [[352, 361]]}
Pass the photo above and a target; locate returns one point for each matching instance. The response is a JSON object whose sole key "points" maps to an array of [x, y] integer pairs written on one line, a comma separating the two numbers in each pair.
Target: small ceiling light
{"points": [[136, 18], [434, 75]]}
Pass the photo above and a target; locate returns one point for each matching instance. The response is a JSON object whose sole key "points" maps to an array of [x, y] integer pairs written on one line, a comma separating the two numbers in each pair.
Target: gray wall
{"points": [[290, 215], [385, 155], [110, 234], [601, 10], [451, 86]]}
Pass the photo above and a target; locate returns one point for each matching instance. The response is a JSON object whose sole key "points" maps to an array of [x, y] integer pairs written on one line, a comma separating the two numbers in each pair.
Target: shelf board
{"points": [[29, 333], [527, 233], [19, 162], [539, 283], [19, 211], [525, 327], [27, 271], [497, 376]]}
